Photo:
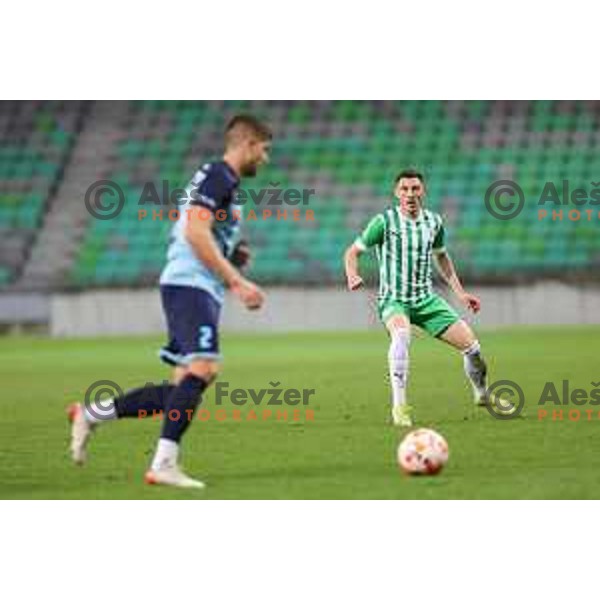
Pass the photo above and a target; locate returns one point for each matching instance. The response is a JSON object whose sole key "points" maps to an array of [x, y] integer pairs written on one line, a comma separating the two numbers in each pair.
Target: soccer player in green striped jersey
{"points": [[407, 238]]}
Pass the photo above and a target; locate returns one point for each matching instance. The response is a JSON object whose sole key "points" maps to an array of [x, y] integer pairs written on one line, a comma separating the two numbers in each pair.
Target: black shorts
{"points": [[192, 317]]}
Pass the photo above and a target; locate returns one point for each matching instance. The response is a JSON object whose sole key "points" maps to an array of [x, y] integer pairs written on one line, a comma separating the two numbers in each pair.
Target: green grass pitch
{"points": [[348, 451]]}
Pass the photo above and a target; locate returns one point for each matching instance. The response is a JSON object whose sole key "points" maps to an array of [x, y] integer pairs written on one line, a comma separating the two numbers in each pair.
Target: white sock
{"points": [[167, 452], [100, 411], [475, 368], [398, 365]]}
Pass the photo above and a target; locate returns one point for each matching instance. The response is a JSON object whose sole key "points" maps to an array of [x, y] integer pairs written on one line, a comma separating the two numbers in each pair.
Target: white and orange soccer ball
{"points": [[423, 452]]}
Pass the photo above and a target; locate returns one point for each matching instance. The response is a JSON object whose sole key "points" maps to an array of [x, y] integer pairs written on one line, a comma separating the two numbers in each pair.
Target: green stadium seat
{"points": [[367, 149]]}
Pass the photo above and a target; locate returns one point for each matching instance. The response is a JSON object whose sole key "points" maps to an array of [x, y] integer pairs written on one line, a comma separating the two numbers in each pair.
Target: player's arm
{"points": [[446, 268], [371, 236], [353, 278], [198, 232]]}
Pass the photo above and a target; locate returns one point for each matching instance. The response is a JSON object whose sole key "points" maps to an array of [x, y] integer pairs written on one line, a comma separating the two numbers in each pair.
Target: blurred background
{"points": [[66, 273]]}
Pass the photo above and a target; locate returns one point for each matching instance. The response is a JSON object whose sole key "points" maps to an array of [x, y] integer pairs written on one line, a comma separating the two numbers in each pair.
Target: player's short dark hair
{"points": [[251, 124], [410, 174]]}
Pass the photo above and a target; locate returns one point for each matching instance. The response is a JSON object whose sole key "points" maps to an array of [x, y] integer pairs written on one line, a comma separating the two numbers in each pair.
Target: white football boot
{"points": [[173, 476], [81, 431]]}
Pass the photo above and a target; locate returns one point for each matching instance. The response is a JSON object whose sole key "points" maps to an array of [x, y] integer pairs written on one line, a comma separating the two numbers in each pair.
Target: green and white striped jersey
{"points": [[404, 248]]}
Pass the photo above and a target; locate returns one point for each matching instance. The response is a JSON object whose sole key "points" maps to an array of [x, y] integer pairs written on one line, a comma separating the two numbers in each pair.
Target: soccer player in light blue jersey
{"points": [[204, 257]]}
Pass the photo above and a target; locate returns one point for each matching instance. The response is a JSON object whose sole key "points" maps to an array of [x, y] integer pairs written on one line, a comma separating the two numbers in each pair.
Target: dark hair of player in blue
{"points": [[248, 124]]}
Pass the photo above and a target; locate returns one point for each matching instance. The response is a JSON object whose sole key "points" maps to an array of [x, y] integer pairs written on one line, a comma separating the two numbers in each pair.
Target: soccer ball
{"points": [[423, 452]]}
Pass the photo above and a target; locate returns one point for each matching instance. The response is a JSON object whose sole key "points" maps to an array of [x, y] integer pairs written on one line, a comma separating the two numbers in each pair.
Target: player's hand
{"points": [[251, 296], [355, 282], [473, 303], [241, 255]]}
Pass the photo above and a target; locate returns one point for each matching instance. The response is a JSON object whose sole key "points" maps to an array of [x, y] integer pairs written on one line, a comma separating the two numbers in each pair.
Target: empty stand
{"points": [[36, 138], [347, 152]]}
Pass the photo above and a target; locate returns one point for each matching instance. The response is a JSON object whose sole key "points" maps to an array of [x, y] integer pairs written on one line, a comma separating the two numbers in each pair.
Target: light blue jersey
{"points": [[213, 187]]}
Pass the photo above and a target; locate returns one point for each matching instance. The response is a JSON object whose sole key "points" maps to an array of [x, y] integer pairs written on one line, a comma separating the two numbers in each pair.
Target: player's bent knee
{"points": [[468, 337], [460, 335], [205, 369]]}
